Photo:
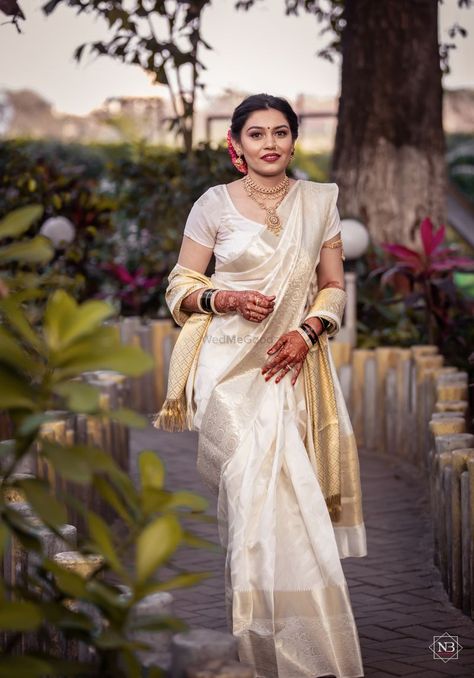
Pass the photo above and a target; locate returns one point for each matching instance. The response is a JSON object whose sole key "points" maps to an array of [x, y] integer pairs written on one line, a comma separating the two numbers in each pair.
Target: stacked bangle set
{"points": [[205, 301], [309, 333]]}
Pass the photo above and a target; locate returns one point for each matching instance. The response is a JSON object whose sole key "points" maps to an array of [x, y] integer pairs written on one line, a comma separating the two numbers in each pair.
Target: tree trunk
{"points": [[389, 151]]}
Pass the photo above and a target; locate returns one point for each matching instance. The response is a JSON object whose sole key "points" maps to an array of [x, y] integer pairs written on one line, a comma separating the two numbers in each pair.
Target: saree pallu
{"points": [[287, 600]]}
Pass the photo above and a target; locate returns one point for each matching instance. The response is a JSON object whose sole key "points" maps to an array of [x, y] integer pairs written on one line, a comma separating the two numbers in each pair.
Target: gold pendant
{"points": [[273, 221]]}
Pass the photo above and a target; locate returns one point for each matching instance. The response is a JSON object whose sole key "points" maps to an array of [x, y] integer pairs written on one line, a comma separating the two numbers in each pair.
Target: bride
{"points": [[251, 371]]}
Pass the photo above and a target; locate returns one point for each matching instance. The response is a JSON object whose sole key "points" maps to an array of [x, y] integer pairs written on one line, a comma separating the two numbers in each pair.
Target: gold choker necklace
{"points": [[272, 220]]}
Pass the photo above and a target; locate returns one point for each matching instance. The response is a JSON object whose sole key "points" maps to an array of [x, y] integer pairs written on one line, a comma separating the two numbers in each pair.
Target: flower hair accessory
{"points": [[238, 163]]}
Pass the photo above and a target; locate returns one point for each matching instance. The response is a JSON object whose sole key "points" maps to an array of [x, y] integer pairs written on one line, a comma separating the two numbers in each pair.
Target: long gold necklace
{"points": [[280, 190]]}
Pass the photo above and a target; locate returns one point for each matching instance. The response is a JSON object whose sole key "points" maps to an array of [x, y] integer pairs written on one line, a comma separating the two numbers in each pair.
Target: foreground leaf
{"points": [[155, 544]]}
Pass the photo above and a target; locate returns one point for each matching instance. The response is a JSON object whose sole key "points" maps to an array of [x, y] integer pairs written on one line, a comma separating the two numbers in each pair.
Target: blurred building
{"points": [[24, 113]]}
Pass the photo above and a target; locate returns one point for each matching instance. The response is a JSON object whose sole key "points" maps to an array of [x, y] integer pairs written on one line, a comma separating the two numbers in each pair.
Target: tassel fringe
{"points": [[172, 416]]}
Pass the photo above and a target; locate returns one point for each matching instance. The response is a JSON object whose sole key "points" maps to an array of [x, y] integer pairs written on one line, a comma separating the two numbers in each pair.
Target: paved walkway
{"points": [[398, 600]]}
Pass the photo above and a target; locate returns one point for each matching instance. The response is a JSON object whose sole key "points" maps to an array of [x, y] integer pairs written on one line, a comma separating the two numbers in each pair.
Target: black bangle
{"points": [[327, 324], [310, 332], [205, 300]]}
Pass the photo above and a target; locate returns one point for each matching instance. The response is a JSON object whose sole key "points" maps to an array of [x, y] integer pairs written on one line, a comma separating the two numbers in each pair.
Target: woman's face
{"points": [[265, 132]]}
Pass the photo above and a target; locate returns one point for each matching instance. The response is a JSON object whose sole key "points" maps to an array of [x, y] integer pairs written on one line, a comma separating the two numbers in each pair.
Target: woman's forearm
{"points": [[190, 303], [225, 301], [316, 324]]}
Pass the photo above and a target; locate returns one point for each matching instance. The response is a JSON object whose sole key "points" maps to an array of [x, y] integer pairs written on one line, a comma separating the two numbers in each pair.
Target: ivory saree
{"points": [[287, 599]]}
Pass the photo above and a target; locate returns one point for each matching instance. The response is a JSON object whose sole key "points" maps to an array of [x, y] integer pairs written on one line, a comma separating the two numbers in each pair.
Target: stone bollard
{"points": [[424, 398], [345, 379], [159, 642], [391, 412], [459, 460], [447, 551], [403, 412], [455, 441], [439, 512], [84, 566], [221, 668], [360, 357], [466, 539], [456, 406], [370, 408], [18, 563], [159, 330], [446, 426], [385, 359], [14, 495], [418, 350], [444, 443], [147, 380], [341, 352], [198, 646], [26, 465], [470, 469], [452, 387]]}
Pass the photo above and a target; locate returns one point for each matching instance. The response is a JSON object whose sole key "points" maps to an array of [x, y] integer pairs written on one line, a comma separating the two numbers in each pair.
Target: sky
{"points": [[261, 50]]}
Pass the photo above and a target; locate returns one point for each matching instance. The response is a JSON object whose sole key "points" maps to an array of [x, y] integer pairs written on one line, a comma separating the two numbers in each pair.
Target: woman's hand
{"points": [[250, 304], [290, 350]]}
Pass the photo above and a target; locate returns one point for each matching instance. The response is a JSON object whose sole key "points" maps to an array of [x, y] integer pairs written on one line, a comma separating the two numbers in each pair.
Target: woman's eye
{"points": [[281, 131]]}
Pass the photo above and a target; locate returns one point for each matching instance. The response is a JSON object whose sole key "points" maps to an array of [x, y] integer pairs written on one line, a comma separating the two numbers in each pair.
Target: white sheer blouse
{"points": [[215, 222]]}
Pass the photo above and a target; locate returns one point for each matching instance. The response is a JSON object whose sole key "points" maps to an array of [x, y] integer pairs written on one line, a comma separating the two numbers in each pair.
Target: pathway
{"points": [[398, 600]]}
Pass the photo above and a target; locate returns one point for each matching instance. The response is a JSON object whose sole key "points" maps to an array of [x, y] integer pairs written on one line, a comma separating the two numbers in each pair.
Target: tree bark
{"points": [[389, 151]]}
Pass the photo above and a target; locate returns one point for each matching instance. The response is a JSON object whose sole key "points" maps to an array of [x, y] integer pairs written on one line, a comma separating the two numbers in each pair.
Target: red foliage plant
{"points": [[427, 275]]}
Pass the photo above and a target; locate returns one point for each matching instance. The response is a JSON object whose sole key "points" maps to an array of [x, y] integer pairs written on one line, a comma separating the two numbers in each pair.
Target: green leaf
{"points": [[19, 616], [23, 667], [68, 582], [178, 582], [19, 221], [4, 537], [155, 544], [188, 499], [15, 391], [80, 397], [129, 360], [100, 533], [105, 339], [156, 672], [64, 618], [12, 353], [158, 623], [152, 470], [154, 500], [18, 320], [108, 493], [38, 250], [78, 462], [87, 318], [33, 422], [191, 539], [22, 530], [65, 322], [110, 640], [61, 307], [133, 665], [127, 417], [38, 494]]}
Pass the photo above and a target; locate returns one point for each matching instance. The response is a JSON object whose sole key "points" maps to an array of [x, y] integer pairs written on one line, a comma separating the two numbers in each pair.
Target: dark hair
{"points": [[257, 102]]}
